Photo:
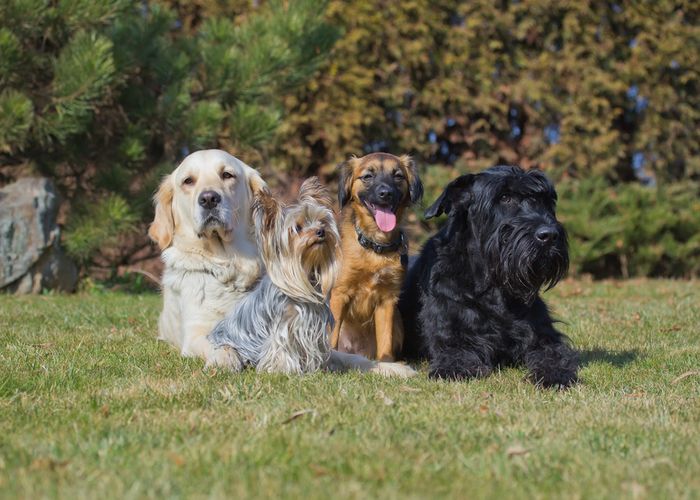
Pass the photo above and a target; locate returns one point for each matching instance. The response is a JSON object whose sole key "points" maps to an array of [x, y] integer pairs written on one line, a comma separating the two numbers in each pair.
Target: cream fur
{"points": [[211, 259]]}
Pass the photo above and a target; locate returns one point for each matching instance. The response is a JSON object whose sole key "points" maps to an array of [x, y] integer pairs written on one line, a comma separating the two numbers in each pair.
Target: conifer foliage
{"points": [[104, 96]]}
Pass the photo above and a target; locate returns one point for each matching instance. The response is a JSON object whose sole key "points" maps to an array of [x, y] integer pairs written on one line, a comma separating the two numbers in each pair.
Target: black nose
{"points": [[547, 235], [209, 199], [385, 193], [321, 233]]}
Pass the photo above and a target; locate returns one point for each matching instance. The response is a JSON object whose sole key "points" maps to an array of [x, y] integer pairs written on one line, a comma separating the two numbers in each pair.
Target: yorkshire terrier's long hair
{"points": [[284, 324]]}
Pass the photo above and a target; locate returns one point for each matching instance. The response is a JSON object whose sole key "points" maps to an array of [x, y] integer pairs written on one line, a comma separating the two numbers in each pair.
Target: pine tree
{"points": [[104, 96]]}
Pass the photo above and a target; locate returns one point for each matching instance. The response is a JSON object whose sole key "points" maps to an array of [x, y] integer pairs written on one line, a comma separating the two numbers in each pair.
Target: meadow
{"points": [[93, 406]]}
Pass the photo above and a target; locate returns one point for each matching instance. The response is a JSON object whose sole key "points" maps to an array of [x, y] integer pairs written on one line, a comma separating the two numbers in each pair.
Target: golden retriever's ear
{"points": [[415, 185], [255, 182], [312, 191], [265, 212], [345, 177], [162, 228]]}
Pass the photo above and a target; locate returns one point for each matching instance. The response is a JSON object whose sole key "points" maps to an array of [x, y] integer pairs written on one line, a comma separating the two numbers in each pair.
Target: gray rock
{"points": [[31, 259]]}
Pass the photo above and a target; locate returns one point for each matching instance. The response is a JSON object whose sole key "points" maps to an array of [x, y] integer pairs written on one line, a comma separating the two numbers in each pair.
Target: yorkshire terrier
{"points": [[284, 324]]}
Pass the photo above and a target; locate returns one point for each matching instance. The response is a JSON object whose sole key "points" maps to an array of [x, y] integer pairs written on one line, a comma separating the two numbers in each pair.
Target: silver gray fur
{"points": [[273, 340]]}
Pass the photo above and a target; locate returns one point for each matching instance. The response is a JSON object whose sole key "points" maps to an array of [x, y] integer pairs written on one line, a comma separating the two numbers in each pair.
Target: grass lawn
{"points": [[92, 406]]}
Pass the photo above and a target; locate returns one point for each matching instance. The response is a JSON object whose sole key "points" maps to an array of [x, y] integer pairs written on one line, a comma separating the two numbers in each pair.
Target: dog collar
{"points": [[399, 245]]}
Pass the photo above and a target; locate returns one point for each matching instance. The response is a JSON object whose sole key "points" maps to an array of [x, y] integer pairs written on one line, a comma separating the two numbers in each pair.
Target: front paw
{"points": [[457, 372], [224, 357], [556, 379], [394, 370], [553, 365]]}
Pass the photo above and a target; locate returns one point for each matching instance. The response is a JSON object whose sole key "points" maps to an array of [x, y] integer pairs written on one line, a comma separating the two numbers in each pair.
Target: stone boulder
{"points": [[30, 257]]}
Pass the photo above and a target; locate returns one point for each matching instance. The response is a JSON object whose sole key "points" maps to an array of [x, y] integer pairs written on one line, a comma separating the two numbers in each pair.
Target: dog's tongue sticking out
{"points": [[386, 219]]}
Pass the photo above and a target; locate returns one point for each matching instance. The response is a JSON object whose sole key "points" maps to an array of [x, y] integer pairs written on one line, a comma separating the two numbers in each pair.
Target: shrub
{"points": [[577, 88], [631, 230]]}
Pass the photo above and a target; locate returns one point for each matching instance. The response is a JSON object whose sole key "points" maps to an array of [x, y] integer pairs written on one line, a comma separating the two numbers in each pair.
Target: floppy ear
{"points": [[162, 228], [265, 212], [415, 185], [255, 181], [312, 191], [345, 171], [449, 199]]}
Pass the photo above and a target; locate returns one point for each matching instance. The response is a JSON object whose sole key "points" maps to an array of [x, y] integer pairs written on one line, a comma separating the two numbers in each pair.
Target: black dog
{"points": [[471, 300]]}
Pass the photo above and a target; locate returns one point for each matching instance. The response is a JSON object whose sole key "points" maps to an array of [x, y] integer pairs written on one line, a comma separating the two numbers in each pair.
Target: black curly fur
{"points": [[471, 299]]}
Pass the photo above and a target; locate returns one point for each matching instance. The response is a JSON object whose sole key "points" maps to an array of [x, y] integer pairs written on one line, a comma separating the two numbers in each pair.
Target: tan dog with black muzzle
{"points": [[374, 194]]}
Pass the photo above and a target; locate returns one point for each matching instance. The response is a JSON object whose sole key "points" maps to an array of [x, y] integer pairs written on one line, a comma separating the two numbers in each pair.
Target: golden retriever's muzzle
{"points": [[213, 214]]}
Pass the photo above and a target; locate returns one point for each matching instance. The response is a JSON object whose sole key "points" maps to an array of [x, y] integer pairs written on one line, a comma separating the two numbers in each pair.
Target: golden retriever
{"points": [[202, 224]]}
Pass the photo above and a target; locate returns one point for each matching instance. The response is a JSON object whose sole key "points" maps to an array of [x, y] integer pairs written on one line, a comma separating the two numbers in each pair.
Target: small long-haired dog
{"points": [[471, 300], [374, 194], [284, 324], [202, 224]]}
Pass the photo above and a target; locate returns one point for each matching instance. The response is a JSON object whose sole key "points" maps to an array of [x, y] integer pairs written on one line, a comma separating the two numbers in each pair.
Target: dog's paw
{"points": [[446, 374], [224, 357], [456, 373], [558, 380], [393, 370]]}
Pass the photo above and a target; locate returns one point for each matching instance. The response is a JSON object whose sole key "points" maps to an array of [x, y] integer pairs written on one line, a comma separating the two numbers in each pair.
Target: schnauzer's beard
{"points": [[522, 266]]}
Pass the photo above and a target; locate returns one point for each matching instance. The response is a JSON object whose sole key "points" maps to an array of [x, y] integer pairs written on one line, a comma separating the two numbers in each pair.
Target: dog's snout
{"points": [[321, 233], [385, 193], [209, 199], [547, 235]]}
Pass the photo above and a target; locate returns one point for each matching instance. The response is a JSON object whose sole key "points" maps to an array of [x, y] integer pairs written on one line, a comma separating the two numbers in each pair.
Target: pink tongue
{"points": [[386, 219]]}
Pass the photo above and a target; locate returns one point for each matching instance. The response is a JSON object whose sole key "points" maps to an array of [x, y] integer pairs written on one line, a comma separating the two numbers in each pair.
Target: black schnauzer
{"points": [[471, 300]]}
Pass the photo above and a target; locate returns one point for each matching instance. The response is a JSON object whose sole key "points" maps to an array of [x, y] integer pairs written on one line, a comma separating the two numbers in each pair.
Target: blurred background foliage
{"points": [[105, 96]]}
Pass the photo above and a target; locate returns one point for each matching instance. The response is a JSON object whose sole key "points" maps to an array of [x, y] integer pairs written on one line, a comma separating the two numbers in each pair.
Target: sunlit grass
{"points": [[92, 406]]}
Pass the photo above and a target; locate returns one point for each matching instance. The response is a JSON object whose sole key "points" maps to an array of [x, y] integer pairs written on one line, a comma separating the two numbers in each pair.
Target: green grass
{"points": [[92, 406]]}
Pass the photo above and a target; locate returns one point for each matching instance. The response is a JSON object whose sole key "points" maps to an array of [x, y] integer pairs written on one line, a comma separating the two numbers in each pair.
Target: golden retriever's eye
{"points": [[505, 198], [227, 175], [188, 180]]}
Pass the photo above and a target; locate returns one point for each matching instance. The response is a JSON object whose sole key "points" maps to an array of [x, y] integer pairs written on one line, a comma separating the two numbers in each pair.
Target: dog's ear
{"points": [[312, 191], [255, 181], [415, 185], [265, 212], [455, 195], [162, 228], [345, 177]]}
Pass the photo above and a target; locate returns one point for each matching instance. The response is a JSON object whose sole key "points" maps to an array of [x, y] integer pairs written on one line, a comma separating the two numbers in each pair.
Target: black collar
{"points": [[382, 248]]}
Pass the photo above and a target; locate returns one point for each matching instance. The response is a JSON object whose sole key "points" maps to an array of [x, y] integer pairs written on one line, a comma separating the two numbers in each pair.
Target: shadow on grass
{"points": [[617, 359]]}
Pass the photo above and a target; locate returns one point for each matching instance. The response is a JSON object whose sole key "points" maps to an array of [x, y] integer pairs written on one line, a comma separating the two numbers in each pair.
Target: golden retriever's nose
{"points": [[209, 199]]}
